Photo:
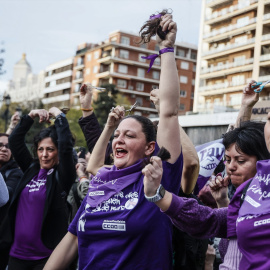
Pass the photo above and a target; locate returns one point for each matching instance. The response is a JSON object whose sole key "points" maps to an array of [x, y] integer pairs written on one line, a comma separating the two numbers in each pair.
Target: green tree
{"points": [[105, 101], [73, 116]]}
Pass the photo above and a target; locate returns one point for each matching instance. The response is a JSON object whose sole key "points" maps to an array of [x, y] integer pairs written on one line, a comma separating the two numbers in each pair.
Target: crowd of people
{"points": [[131, 202]]}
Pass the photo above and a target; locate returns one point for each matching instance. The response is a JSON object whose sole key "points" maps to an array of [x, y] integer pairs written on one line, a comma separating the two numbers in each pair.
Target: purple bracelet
{"points": [[153, 57]]}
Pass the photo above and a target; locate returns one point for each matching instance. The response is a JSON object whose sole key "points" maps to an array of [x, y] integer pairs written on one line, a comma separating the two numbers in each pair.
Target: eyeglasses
{"points": [[2, 145]]}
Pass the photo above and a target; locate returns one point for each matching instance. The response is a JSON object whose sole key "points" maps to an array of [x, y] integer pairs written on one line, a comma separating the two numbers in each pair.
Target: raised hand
{"points": [[54, 111], [249, 97], [155, 98], [167, 24], [86, 92], [115, 116], [152, 176], [219, 190], [42, 114]]}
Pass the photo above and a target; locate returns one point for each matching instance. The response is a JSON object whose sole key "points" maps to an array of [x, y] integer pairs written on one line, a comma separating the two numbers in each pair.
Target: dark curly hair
{"points": [[49, 132], [248, 139], [151, 27], [147, 127]]}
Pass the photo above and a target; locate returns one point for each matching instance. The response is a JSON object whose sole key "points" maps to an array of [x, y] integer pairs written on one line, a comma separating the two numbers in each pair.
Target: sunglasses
{"points": [[2, 145]]}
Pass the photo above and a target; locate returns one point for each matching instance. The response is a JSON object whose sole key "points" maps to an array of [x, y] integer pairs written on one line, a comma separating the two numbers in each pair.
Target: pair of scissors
{"points": [[261, 85], [130, 110]]}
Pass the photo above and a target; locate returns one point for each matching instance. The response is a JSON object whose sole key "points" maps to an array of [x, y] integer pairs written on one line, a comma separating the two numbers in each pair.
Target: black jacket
{"points": [[91, 131], [55, 215]]}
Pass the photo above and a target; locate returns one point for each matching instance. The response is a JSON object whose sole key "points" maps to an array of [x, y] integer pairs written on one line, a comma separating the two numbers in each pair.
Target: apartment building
{"points": [[118, 61], [57, 88], [234, 47]]}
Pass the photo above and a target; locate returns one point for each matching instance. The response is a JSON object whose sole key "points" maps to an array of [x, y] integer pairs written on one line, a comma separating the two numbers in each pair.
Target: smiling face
{"points": [[239, 166], [47, 153], [5, 153], [129, 144]]}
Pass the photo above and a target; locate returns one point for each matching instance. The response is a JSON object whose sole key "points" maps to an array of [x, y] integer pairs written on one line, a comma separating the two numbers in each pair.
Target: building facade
{"points": [[118, 61], [58, 78], [25, 87], [234, 47]]}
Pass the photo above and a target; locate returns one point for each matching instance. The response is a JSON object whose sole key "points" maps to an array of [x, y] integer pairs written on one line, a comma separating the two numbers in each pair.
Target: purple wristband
{"points": [[153, 57]]}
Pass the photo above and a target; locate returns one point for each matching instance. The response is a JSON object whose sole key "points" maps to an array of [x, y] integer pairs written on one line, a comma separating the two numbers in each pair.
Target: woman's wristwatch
{"points": [[158, 196]]}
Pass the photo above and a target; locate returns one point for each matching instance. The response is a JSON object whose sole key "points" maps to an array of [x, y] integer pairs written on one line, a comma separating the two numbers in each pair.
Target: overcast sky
{"points": [[49, 31]]}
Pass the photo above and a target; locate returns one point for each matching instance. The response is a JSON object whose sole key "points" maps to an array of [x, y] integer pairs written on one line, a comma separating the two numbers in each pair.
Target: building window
{"points": [[156, 75], [141, 72], [194, 68], [182, 107], [157, 61], [139, 101], [240, 59], [193, 81], [125, 40], [52, 83], [243, 21], [192, 95], [139, 86], [236, 99], [122, 68], [140, 57], [238, 80], [124, 54], [184, 65], [77, 87], [89, 57], [95, 69], [79, 61], [78, 75], [144, 45], [183, 79], [121, 83], [193, 55], [154, 86], [94, 82], [181, 53], [241, 39], [183, 93], [76, 101], [87, 71], [96, 54]]}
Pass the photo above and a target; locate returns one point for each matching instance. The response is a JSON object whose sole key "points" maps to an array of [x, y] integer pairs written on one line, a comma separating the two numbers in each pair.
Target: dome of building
{"points": [[21, 69]]}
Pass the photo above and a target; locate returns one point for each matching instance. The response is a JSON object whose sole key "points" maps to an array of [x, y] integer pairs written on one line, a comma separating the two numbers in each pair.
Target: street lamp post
{"points": [[7, 100]]}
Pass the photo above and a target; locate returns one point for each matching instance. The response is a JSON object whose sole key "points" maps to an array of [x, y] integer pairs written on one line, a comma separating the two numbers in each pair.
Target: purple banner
{"points": [[210, 154]]}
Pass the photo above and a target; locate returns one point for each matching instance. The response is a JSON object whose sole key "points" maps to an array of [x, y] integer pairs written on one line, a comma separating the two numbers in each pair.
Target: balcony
{"points": [[108, 74], [228, 47], [57, 87], [228, 28], [225, 13], [56, 99], [212, 3], [222, 88], [109, 59], [227, 66]]}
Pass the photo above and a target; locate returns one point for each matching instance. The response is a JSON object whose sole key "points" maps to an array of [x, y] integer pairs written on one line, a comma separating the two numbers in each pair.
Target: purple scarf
{"points": [[110, 181], [257, 199]]}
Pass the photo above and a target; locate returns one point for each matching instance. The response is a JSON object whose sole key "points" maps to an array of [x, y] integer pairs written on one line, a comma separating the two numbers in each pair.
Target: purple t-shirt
{"points": [[27, 243], [127, 231], [233, 210], [253, 223]]}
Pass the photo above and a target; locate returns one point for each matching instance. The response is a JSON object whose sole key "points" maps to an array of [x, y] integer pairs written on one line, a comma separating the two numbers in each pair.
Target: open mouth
{"points": [[120, 152]]}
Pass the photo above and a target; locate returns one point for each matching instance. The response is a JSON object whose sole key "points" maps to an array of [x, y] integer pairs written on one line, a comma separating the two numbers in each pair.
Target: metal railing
{"points": [[228, 28], [227, 66]]}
